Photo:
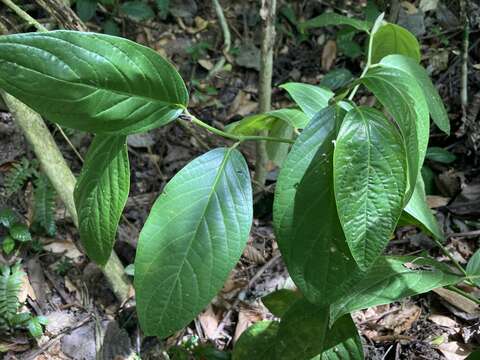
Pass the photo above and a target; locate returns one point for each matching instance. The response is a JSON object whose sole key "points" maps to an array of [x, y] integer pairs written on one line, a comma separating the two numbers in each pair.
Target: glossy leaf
{"points": [[101, 193], [252, 125], [419, 211], [279, 301], [8, 217], [393, 39], [434, 101], [277, 152], [473, 267], [302, 331], [342, 341], [370, 180], [440, 155], [391, 279], [310, 98], [20, 232], [91, 82], [257, 342], [193, 237], [329, 19], [403, 99], [336, 79]]}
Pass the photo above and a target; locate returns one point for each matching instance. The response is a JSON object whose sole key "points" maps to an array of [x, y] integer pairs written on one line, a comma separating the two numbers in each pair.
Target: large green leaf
{"points": [[302, 331], [279, 301], [393, 278], [91, 82], [193, 237], [101, 193], [328, 19], [393, 39], [420, 214], [434, 101], [403, 98], [370, 178], [257, 342], [310, 229], [440, 155], [310, 98], [342, 341], [277, 152]]}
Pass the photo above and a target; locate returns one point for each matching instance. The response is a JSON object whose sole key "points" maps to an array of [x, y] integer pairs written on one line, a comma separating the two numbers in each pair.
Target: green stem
{"points": [[464, 294], [452, 259], [25, 16], [238, 138]]}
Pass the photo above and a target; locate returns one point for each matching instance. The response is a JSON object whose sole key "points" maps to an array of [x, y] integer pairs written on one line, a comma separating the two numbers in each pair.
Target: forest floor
{"points": [[70, 291]]}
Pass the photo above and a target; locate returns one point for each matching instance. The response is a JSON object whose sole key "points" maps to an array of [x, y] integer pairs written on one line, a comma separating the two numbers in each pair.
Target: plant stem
{"points": [[267, 13], [464, 294], [238, 138], [452, 259], [227, 39], [24, 15]]}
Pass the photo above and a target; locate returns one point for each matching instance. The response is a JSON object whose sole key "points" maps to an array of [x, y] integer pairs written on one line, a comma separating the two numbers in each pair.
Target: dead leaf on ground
{"points": [[458, 301], [329, 55], [402, 320], [242, 105], [209, 321], [454, 350], [443, 320], [248, 315], [253, 254], [66, 248], [26, 290], [435, 201]]}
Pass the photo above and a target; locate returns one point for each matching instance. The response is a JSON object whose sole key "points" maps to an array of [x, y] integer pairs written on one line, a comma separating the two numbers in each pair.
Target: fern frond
{"points": [[44, 194], [18, 175], [10, 285]]}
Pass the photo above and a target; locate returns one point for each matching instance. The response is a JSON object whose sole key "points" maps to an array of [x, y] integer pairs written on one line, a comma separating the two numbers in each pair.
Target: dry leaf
{"points": [[64, 247], [206, 64], [402, 320], [443, 320], [253, 254], [329, 55], [26, 290], [435, 201], [209, 322], [454, 350], [458, 301], [410, 9], [247, 316]]}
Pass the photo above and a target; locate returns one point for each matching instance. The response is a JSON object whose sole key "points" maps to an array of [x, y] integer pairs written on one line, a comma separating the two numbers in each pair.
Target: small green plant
{"points": [[349, 175], [18, 175], [11, 319], [17, 232]]}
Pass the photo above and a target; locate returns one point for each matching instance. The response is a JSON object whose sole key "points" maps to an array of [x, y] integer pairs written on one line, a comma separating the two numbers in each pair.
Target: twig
{"points": [[242, 294], [450, 256], [464, 72], [267, 13], [464, 294], [226, 39], [464, 234], [62, 12], [24, 15]]}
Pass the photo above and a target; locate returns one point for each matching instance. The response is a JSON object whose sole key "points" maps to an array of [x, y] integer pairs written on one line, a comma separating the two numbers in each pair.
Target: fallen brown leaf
{"points": [[454, 350], [209, 321], [329, 55]]}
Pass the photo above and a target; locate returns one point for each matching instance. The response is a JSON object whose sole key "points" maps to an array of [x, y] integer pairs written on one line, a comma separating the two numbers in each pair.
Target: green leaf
{"points": [[428, 177], [403, 98], [304, 194], [257, 342], [391, 279], [473, 267], [163, 8], [193, 237], [20, 232], [277, 152], [110, 27], [346, 43], [370, 180], [394, 39], [35, 327], [474, 355], [44, 214], [302, 331], [8, 244], [440, 155], [342, 341], [8, 217], [328, 19], [336, 79], [310, 98], [434, 101], [279, 301], [419, 212], [252, 125], [91, 82], [101, 193], [86, 9], [137, 10]]}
